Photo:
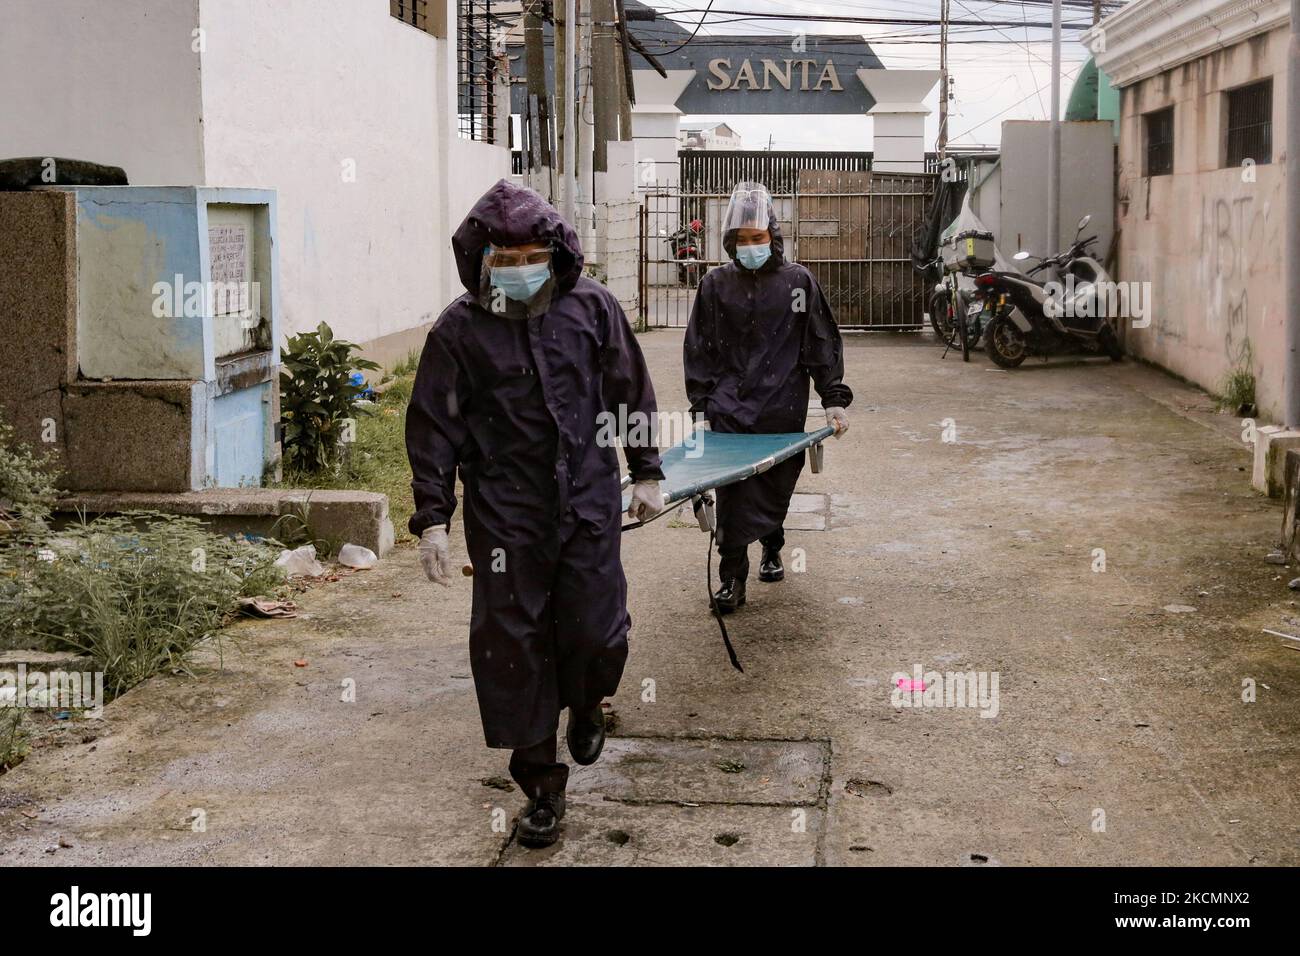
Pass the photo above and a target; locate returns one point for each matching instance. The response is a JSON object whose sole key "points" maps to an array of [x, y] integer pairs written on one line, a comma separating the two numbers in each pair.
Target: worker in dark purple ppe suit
{"points": [[516, 379], [760, 330]]}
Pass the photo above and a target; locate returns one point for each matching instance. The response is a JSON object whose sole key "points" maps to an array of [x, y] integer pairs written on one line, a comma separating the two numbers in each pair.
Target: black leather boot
{"points": [[585, 734], [539, 825], [730, 596], [770, 568]]}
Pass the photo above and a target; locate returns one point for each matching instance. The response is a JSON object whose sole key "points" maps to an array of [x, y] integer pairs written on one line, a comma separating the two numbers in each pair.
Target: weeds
{"points": [[136, 593], [1237, 392], [14, 743], [27, 484]]}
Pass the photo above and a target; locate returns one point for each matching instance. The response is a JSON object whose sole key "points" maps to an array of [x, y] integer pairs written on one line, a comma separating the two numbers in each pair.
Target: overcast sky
{"points": [[993, 81]]}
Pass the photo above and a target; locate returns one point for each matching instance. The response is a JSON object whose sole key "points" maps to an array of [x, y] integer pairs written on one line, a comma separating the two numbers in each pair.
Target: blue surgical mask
{"points": [[521, 283], [753, 257]]}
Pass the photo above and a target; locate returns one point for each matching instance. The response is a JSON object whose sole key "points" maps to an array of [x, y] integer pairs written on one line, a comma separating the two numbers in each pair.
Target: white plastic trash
{"points": [[300, 561], [355, 556]]}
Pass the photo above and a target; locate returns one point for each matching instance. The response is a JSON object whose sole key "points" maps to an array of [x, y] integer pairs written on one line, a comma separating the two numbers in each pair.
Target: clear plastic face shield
{"points": [[750, 207], [517, 274]]}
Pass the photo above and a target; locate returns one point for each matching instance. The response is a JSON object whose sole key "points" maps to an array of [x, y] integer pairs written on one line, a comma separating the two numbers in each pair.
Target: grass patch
{"points": [[136, 593], [1237, 391], [376, 460]]}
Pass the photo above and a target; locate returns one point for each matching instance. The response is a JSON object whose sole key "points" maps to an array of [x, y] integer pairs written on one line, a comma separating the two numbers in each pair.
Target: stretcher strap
{"points": [[713, 603]]}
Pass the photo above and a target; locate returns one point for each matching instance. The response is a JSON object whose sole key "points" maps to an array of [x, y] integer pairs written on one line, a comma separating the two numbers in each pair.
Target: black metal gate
{"points": [[851, 227]]}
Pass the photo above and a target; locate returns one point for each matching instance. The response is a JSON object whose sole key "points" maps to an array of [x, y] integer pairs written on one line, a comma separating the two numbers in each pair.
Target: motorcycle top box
{"points": [[969, 251]]}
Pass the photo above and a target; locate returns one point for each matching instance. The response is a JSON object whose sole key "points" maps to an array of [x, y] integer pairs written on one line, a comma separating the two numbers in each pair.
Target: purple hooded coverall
{"points": [[749, 353], [511, 400]]}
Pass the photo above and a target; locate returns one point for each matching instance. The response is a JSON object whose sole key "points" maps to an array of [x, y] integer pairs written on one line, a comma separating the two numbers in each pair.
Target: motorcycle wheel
{"points": [[1109, 342], [940, 316], [1005, 343], [963, 331]]}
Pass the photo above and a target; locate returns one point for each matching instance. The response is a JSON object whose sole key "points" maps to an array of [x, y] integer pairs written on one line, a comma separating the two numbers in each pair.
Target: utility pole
{"points": [[584, 123], [566, 34], [626, 93], [1291, 371], [539, 151], [1054, 141], [941, 147], [605, 66]]}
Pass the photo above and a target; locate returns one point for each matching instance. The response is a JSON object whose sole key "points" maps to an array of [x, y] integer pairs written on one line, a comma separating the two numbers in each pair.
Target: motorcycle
{"points": [[684, 244], [1027, 315], [956, 314]]}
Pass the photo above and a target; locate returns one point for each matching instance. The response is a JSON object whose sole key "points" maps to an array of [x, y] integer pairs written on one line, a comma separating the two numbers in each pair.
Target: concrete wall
{"points": [[38, 313], [1087, 185], [345, 111], [1210, 240], [344, 120], [986, 198], [114, 83]]}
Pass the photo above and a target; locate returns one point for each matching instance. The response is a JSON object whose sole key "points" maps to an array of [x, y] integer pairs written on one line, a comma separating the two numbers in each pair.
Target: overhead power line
{"points": [[882, 21]]}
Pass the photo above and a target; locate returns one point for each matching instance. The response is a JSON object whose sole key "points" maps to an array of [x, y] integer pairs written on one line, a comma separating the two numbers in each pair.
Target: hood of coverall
{"points": [[511, 215]]}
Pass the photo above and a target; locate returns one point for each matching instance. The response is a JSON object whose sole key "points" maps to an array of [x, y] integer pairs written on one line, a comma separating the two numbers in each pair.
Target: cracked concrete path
{"points": [[1121, 736]]}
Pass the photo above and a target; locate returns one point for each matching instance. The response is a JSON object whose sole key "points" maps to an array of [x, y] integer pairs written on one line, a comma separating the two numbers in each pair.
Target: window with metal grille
{"points": [[1250, 124], [1160, 142], [417, 14], [476, 71]]}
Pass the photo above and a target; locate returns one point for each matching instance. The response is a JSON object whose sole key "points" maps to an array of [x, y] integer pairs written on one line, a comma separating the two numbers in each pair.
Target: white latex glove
{"points": [[647, 501], [837, 419], [435, 555]]}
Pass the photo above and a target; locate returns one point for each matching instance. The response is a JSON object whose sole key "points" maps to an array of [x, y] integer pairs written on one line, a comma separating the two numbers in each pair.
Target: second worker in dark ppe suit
{"points": [[516, 378], [759, 330]]}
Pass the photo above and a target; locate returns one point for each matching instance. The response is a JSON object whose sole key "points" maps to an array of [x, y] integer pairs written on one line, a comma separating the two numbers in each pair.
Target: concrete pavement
{"points": [[1120, 735]]}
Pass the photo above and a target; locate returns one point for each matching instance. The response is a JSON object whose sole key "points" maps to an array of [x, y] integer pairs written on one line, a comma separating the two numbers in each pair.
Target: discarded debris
{"points": [[355, 556], [300, 562], [1276, 557], [861, 788], [267, 607], [1179, 608]]}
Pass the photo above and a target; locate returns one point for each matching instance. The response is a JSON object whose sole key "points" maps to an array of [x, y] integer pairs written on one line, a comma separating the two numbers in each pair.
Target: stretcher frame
{"points": [[713, 460]]}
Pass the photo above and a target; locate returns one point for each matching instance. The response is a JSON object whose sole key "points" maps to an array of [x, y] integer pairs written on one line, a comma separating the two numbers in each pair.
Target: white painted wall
{"points": [[321, 99], [114, 83], [282, 95]]}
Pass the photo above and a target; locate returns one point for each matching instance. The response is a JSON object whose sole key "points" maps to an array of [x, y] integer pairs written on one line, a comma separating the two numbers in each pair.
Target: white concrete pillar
{"points": [[899, 117], [655, 120]]}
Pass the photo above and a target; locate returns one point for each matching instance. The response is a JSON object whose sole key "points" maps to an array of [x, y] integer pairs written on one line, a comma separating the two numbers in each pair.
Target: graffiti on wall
{"points": [[1234, 235]]}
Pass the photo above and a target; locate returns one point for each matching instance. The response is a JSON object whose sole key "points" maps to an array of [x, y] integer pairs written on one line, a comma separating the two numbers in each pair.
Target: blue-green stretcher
{"points": [[712, 460]]}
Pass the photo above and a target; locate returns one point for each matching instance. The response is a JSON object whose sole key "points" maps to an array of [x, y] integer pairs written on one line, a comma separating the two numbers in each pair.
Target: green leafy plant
{"points": [[376, 462], [318, 397], [28, 485], [136, 593]]}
